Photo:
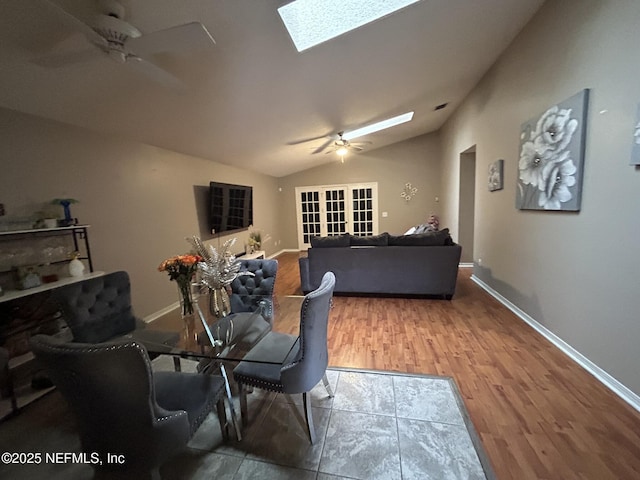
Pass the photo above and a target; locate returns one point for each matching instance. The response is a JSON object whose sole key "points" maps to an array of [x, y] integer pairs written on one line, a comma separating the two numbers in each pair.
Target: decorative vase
{"points": [[76, 267], [219, 304], [189, 333], [185, 295]]}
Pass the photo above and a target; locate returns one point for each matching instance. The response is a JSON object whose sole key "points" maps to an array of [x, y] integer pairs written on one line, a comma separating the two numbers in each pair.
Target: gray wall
{"points": [[140, 201], [415, 161], [575, 273]]}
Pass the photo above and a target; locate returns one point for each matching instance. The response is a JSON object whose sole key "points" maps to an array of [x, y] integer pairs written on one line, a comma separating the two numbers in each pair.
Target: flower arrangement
{"points": [[255, 240], [182, 268], [218, 270]]}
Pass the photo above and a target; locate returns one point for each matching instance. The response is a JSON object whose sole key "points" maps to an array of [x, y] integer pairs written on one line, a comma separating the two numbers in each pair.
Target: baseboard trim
{"points": [[160, 313], [285, 250], [607, 380]]}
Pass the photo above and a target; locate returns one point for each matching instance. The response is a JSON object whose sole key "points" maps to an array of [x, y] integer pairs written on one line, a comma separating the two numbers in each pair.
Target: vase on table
{"points": [[185, 294], [187, 299], [219, 304]]}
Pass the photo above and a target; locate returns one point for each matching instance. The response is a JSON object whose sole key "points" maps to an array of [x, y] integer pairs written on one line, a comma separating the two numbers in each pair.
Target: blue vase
{"points": [[67, 211]]}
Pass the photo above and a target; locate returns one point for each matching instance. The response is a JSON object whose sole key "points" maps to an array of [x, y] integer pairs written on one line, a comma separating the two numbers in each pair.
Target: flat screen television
{"points": [[230, 207]]}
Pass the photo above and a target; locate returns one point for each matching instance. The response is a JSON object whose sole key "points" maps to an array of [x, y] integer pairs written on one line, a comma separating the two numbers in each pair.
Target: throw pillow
{"points": [[336, 241], [428, 239], [381, 240]]}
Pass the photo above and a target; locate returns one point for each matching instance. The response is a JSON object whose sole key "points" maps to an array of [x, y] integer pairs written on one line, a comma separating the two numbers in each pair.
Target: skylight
{"points": [[311, 22], [375, 127]]}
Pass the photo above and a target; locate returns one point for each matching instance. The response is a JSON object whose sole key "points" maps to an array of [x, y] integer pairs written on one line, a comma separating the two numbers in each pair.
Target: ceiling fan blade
{"points": [[154, 72], [182, 38], [70, 21], [63, 59], [356, 148], [306, 140], [322, 147]]}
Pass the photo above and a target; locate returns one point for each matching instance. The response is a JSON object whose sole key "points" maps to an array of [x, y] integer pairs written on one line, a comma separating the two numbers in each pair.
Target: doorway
{"points": [[330, 210], [466, 203]]}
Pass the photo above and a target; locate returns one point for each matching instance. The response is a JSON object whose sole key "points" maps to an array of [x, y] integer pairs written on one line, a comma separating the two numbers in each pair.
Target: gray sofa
{"points": [[424, 264]]}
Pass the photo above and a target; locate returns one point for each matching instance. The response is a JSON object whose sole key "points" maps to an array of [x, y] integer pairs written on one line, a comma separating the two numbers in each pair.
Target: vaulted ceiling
{"points": [[251, 100]]}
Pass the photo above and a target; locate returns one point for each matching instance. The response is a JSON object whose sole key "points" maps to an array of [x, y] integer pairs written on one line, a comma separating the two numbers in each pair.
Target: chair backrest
{"points": [[247, 291], [308, 361], [109, 388], [98, 309]]}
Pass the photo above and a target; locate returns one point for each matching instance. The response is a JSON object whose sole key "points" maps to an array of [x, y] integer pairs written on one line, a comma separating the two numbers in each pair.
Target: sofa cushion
{"points": [[381, 240], [428, 239], [336, 241]]}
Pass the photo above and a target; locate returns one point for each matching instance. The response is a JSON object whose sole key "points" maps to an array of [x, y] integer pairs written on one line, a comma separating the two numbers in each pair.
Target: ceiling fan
{"points": [[335, 143], [109, 33], [341, 146]]}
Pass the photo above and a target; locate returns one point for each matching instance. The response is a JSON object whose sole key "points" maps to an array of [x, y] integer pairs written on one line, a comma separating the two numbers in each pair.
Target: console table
{"points": [[24, 312], [253, 256]]}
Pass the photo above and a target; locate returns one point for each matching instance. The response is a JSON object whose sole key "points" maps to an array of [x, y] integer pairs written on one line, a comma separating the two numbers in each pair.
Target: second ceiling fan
{"points": [[109, 33]]}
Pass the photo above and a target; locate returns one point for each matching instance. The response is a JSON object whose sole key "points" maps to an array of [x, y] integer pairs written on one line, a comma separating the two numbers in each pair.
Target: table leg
{"points": [[232, 410]]}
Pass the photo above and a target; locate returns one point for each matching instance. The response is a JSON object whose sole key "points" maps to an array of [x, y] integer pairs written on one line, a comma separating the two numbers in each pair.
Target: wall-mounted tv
{"points": [[230, 207]]}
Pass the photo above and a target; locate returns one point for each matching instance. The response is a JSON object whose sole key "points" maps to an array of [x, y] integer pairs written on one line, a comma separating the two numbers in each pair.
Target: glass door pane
{"points": [[309, 221], [335, 211]]}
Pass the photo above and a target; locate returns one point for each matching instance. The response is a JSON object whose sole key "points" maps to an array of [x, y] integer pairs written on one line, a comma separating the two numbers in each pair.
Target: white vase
{"points": [[76, 268]]}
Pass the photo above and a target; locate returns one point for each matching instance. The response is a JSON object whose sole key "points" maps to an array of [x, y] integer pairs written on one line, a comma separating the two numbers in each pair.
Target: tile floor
{"points": [[377, 426]]}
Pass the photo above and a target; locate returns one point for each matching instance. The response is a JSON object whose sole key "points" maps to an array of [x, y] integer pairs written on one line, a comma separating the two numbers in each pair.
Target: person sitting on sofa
{"points": [[432, 225]]}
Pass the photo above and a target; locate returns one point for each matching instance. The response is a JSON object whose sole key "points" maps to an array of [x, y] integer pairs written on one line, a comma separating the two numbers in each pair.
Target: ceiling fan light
{"points": [[342, 151]]}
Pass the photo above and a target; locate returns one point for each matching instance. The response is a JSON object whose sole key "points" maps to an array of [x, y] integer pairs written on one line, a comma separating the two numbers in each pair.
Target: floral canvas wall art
{"points": [[552, 157], [635, 148], [496, 170]]}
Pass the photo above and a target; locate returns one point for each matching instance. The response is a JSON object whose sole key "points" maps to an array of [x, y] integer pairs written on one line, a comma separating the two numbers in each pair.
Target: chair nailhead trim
{"points": [[254, 382]]}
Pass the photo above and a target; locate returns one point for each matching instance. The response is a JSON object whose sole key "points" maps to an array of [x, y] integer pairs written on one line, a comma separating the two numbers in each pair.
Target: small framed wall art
{"points": [[496, 175]]}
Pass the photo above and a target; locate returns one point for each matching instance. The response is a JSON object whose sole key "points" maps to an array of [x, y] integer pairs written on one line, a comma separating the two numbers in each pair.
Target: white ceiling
{"points": [[252, 97]]}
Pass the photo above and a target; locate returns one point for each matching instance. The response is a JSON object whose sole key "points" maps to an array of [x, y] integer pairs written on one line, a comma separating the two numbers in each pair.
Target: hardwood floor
{"points": [[538, 413]]}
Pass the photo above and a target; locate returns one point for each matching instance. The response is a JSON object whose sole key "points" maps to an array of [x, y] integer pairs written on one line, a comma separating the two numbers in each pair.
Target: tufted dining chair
{"points": [[122, 407], [98, 309], [307, 359], [255, 292]]}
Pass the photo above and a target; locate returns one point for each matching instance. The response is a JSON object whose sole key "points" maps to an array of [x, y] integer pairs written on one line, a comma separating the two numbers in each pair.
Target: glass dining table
{"points": [[215, 341]]}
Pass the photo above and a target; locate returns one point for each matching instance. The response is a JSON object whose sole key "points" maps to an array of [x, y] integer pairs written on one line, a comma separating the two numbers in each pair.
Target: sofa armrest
{"points": [[305, 282]]}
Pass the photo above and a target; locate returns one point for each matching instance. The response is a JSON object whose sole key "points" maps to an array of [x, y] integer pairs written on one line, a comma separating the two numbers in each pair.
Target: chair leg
{"points": [[306, 400], [222, 418], [242, 393], [325, 381]]}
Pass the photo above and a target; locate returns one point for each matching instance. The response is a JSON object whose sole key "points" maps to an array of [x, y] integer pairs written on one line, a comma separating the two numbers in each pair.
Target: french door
{"points": [[329, 210]]}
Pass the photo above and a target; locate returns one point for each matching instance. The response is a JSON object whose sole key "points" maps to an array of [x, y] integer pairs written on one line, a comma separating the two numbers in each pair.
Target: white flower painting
{"points": [[552, 157], [635, 147]]}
